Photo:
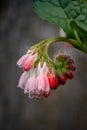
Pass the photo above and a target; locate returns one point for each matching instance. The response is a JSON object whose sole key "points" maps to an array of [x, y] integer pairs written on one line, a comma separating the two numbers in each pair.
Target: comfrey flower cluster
{"points": [[42, 74]]}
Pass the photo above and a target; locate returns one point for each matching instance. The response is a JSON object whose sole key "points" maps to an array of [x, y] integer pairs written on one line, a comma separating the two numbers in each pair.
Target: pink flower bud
{"points": [[62, 79], [72, 67], [28, 64], [53, 81], [69, 75], [70, 61], [22, 60], [27, 61]]}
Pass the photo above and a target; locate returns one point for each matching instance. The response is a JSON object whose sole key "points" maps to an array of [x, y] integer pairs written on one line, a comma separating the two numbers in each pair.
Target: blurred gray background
{"points": [[66, 108]]}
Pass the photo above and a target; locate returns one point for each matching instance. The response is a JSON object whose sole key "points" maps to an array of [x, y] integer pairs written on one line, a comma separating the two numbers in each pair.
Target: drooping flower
{"points": [[42, 82], [30, 87], [43, 87], [23, 79], [21, 60], [54, 83], [27, 61]]}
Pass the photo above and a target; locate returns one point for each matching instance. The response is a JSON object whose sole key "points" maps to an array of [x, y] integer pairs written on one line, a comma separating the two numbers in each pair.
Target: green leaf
{"points": [[81, 29], [62, 13], [51, 11]]}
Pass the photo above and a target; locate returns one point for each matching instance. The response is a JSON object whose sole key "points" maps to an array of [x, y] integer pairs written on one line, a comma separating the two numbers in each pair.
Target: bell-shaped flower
{"points": [[22, 60], [27, 61], [30, 85], [53, 81], [42, 82], [23, 79]]}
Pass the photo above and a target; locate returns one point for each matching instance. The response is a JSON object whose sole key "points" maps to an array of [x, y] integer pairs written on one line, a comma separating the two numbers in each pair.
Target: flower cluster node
{"points": [[41, 76], [65, 66]]}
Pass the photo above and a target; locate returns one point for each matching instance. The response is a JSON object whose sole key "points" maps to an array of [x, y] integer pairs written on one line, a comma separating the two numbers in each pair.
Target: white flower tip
{"points": [[45, 68], [35, 56], [30, 51], [20, 86], [25, 91]]}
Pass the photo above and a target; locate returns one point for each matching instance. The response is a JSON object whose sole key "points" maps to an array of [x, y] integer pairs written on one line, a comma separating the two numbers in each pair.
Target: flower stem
{"points": [[77, 44]]}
